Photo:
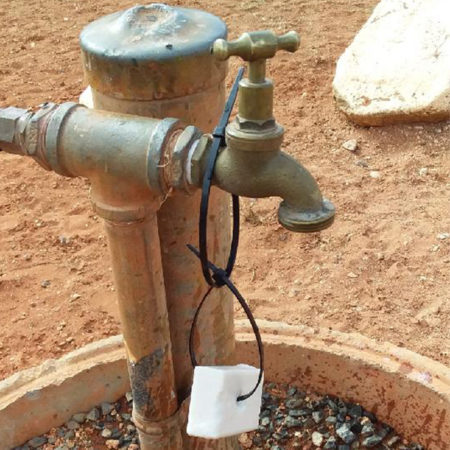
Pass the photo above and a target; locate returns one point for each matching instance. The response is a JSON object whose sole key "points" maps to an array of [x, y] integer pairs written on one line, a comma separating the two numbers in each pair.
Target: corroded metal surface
{"points": [[152, 52], [139, 281]]}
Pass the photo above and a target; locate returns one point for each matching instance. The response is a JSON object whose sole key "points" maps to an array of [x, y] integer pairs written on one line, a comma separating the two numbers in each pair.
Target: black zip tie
{"points": [[218, 141], [221, 277], [220, 274]]}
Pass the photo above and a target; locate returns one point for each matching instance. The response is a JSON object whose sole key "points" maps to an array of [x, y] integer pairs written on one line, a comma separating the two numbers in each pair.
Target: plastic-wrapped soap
{"points": [[214, 411]]}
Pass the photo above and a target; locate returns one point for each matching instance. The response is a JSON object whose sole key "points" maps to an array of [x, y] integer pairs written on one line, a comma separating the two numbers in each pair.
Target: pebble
{"points": [[372, 441], [362, 163], [443, 236], [106, 433], [37, 441], [345, 433], [317, 416], [317, 438], [351, 145], [93, 415], [72, 425], [106, 408], [355, 411], [310, 422], [294, 403], [423, 171], [290, 422], [331, 443], [80, 417], [45, 283], [367, 429], [374, 174]]}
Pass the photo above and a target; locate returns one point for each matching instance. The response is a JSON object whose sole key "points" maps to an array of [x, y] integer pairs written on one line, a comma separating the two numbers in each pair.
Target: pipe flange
{"points": [[175, 172], [157, 158], [54, 127]]}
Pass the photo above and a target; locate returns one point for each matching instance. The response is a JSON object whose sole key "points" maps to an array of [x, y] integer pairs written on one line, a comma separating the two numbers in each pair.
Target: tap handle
{"points": [[256, 45]]}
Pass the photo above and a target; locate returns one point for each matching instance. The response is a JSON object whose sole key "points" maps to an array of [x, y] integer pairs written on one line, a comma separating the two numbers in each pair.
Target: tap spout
{"points": [[269, 174]]}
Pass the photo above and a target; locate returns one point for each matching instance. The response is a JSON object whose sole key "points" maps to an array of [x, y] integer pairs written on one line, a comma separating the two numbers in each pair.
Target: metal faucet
{"points": [[252, 164]]}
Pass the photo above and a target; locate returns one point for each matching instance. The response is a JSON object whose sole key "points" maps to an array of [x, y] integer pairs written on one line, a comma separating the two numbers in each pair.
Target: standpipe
{"points": [[137, 165]]}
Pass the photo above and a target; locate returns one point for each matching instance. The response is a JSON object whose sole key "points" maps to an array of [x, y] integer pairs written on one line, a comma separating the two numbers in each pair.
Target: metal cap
{"points": [[152, 52]]}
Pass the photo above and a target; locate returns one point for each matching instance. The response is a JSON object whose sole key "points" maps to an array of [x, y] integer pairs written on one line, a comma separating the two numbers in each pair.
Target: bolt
{"points": [[198, 160], [9, 117]]}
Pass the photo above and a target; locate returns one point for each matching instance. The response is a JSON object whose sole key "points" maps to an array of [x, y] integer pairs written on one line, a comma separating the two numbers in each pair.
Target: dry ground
{"points": [[380, 270]]}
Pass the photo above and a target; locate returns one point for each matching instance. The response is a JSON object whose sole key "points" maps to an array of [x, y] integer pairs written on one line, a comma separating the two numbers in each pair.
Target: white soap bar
{"points": [[214, 411]]}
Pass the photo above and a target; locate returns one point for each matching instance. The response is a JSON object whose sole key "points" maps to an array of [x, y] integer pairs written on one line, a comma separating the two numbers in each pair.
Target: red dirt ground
{"points": [[380, 270]]}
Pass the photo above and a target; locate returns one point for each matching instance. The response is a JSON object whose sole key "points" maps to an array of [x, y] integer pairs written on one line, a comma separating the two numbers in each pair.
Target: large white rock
{"points": [[397, 69]]}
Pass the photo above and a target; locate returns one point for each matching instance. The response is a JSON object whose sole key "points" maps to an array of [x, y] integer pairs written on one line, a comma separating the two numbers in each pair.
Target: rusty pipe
{"points": [[123, 157]]}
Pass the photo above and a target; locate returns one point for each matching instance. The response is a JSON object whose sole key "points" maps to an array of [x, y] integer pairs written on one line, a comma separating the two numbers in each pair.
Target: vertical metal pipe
{"points": [[135, 252]]}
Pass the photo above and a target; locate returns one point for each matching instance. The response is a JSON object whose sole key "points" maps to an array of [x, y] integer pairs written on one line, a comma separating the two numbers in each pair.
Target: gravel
{"points": [[290, 419]]}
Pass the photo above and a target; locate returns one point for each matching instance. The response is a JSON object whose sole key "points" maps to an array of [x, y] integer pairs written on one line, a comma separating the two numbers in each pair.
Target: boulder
{"points": [[397, 69]]}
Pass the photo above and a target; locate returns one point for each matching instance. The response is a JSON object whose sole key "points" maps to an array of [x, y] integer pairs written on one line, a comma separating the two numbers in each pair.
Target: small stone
{"points": [[291, 391], [294, 403], [423, 171], [443, 236], [112, 443], [45, 283], [393, 440], [37, 441], [265, 421], [351, 145], [368, 429], [63, 240], [355, 411], [345, 433], [276, 447], [317, 416], [74, 297], [374, 174], [93, 415], [133, 447], [126, 416], [80, 417], [372, 441], [69, 435], [299, 412], [106, 433], [362, 163], [352, 275], [331, 443], [72, 425], [106, 408], [331, 419], [290, 422], [344, 447], [317, 439]]}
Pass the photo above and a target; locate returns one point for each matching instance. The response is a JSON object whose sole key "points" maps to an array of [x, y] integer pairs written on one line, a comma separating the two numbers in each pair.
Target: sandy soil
{"points": [[381, 270]]}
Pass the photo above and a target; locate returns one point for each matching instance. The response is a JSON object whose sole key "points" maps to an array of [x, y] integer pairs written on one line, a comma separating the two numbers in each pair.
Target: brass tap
{"points": [[252, 164]]}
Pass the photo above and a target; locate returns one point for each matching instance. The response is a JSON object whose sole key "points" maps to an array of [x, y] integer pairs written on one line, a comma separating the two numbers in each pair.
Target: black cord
{"points": [[221, 277]]}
